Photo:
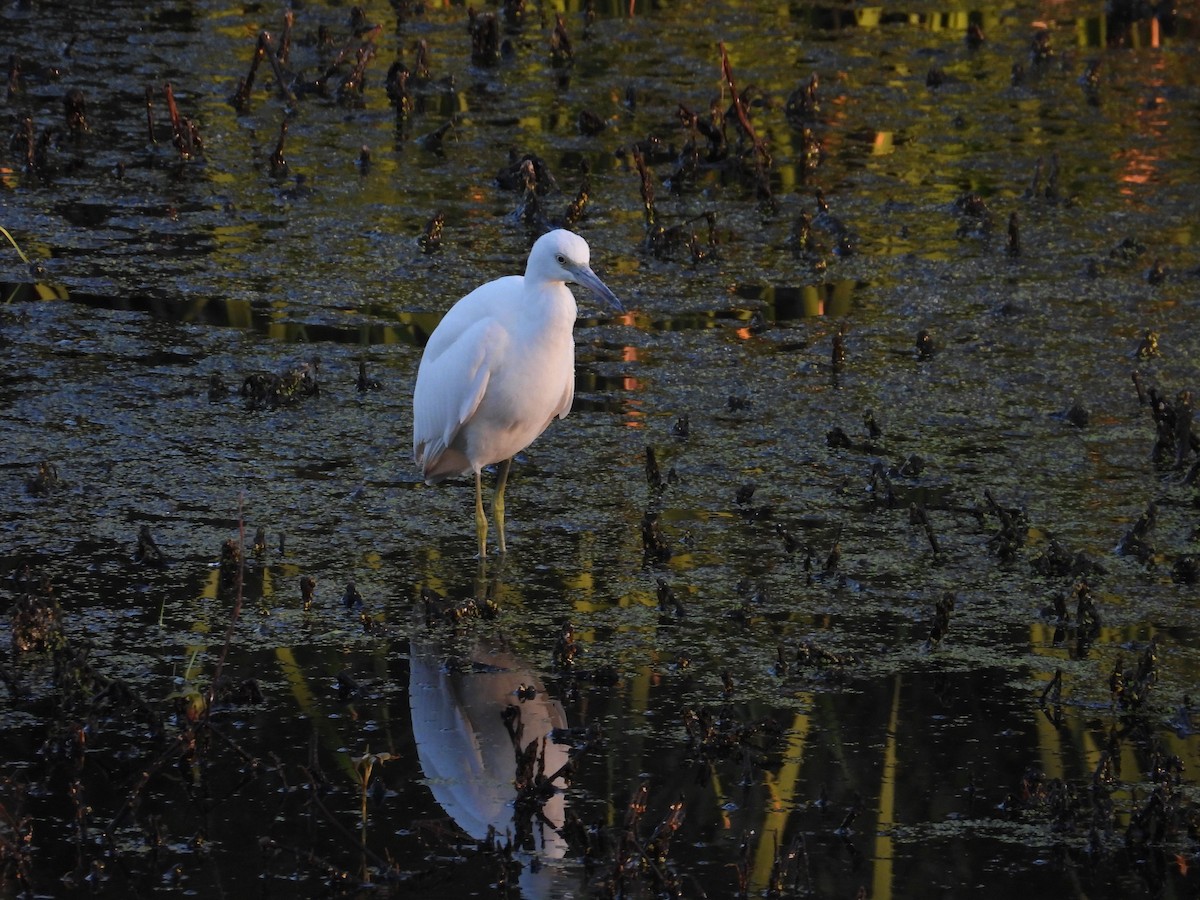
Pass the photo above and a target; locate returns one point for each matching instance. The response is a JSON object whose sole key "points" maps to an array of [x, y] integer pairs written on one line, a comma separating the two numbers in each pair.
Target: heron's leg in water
{"points": [[498, 500], [480, 518]]}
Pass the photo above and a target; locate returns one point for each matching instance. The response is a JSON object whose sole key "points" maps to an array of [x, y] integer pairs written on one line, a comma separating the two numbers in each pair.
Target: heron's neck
{"points": [[556, 307]]}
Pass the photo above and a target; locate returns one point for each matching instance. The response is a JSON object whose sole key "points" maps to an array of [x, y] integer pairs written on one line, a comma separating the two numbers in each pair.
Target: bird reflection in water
{"points": [[483, 729]]}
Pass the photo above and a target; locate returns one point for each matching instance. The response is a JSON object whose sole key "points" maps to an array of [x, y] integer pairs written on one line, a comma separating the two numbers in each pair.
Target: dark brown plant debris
{"points": [[566, 648], [668, 603], [561, 53], [364, 383], [941, 618], [35, 621], [1136, 541], [761, 158], [431, 239], [279, 166], [918, 517], [590, 124], [1056, 561], [268, 390], [75, 111], [655, 547], [717, 735], [804, 103], [1014, 235], [147, 552], [1013, 531], [308, 588], [1175, 438], [184, 133], [44, 480], [446, 611], [485, 37]]}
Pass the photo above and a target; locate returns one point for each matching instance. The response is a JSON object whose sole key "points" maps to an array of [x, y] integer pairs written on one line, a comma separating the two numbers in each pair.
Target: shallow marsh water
{"points": [[879, 758]]}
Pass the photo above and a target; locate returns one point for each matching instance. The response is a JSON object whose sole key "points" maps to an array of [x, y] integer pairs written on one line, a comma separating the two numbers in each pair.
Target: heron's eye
{"points": [[562, 260]]}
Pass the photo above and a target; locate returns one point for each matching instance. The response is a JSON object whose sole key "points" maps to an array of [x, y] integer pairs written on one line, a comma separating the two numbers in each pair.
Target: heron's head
{"points": [[564, 256]]}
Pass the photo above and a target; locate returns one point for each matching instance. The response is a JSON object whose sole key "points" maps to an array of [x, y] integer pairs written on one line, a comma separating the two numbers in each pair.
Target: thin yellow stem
{"points": [[13, 241]]}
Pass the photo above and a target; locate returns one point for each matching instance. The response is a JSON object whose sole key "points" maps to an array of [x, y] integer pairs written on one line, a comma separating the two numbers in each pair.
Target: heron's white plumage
{"points": [[500, 366], [497, 370]]}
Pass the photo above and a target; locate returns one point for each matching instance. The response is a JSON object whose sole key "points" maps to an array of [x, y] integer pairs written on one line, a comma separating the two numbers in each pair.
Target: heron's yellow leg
{"points": [[498, 500], [480, 518]]}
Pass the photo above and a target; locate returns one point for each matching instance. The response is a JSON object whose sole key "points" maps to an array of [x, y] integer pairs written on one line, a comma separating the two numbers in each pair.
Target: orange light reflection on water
{"points": [[629, 383], [1140, 165], [633, 416]]}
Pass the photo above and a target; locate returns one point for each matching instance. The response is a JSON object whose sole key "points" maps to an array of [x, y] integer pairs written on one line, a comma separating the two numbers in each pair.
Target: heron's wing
{"points": [[568, 396], [449, 389], [488, 301]]}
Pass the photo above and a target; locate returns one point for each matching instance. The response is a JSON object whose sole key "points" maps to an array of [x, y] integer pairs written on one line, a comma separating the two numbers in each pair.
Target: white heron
{"points": [[499, 367]]}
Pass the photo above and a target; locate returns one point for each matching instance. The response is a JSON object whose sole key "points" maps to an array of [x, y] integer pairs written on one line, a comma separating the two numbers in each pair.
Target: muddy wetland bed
{"points": [[865, 565]]}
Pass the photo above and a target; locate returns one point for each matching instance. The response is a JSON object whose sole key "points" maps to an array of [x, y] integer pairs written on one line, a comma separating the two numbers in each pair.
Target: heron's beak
{"points": [[585, 277]]}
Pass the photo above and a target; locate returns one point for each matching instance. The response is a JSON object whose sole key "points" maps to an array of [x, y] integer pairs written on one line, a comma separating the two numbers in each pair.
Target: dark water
{"points": [[817, 737]]}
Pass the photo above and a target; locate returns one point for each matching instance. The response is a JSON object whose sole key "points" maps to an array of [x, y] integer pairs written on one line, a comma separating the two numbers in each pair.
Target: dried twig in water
{"points": [[760, 149]]}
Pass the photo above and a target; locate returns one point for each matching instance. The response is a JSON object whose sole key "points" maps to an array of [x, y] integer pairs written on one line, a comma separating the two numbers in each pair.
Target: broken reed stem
{"points": [[285, 41], [242, 98], [273, 59], [760, 148], [173, 110], [357, 45]]}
